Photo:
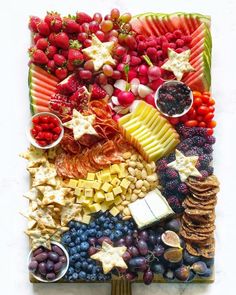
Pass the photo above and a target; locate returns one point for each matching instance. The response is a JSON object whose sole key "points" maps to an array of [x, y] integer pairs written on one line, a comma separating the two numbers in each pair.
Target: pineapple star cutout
{"points": [[81, 124], [185, 166], [110, 257], [178, 63], [100, 53]]}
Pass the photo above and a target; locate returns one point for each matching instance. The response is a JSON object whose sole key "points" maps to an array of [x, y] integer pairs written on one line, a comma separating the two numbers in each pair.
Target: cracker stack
{"points": [[199, 216]]}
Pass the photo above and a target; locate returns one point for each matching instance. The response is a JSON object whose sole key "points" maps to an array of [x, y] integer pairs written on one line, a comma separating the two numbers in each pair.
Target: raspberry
{"points": [[171, 173], [175, 204], [183, 189]]}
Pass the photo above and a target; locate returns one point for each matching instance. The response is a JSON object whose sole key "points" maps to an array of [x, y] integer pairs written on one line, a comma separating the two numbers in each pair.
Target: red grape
{"points": [[142, 247], [97, 17], [94, 26], [106, 26], [116, 75], [82, 37], [148, 277], [120, 50], [108, 70], [115, 13], [125, 18], [100, 35], [85, 74]]}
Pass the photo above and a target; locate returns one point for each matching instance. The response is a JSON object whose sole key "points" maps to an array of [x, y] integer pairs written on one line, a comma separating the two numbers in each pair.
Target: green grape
{"points": [[125, 18], [106, 26]]}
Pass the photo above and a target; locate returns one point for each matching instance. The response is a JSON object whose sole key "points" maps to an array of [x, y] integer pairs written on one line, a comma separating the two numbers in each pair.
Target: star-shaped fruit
{"points": [[185, 165], [35, 156], [81, 124], [110, 257], [100, 53], [44, 174], [53, 196], [178, 63]]}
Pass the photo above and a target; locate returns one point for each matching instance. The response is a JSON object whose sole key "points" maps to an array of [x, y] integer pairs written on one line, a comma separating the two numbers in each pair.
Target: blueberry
{"points": [[90, 261], [93, 277], [77, 225], [84, 266], [75, 276], [70, 278], [107, 232], [79, 232], [70, 271], [71, 260], [83, 227], [73, 235], [72, 244], [83, 254], [118, 234], [119, 226], [92, 232], [94, 270], [99, 234], [101, 219], [78, 248], [89, 268], [82, 275], [101, 277], [78, 265], [99, 269], [92, 224], [105, 225], [83, 237], [84, 246], [66, 239], [111, 226], [125, 229], [77, 241], [114, 219], [88, 277], [130, 232], [76, 257], [72, 251], [112, 236], [71, 224]]}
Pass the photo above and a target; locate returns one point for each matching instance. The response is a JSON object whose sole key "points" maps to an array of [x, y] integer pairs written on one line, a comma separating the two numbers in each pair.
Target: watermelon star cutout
{"points": [[100, 52], [178, 63], [110, 257], [185, 165], [81, 124]]}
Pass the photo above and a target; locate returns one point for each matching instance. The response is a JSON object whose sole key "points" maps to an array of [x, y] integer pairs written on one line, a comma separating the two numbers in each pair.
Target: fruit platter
{"points": [[122, 184]]}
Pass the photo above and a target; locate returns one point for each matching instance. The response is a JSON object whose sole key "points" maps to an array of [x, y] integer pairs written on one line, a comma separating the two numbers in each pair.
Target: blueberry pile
{"points": [[174, 98], [81, 241], [194, 142]]}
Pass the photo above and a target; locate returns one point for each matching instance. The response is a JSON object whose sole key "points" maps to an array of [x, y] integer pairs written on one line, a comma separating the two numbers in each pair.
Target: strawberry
{"points": [[97, 92], [43, 28], [36, 37], [82, 17], [53, 19], [70, 25], [59, 60], [62, 40], [61, 73], [64, 53], [51, 66], [38, 56], [69, 85], [51, 50], [33, 22], [56, 25], [70, 66], [51, 39], [75, 56], [42, 43]]}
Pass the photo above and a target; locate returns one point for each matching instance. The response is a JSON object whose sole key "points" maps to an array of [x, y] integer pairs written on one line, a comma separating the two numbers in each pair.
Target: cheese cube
{"points": [[109, 196], [86, 219], [88, 184], [79, 191], [114, 211], [117, 190], [88, 192], [123, 172], [115, 168], [99, 196], [125, 183], [81, 183], [118, 200], [72, 183], [80, 199], [95, 208], [106, 177], [98, 175], [104, 206], [107, 187], [97, 184], [115, 181], [86, 211], [91, 176], [87, 202]]}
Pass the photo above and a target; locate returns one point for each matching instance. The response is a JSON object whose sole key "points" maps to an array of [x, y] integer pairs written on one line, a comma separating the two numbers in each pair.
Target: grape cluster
{"points": [[82, 241]]}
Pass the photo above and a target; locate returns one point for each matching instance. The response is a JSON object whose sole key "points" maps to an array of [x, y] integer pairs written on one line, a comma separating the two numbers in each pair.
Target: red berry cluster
{"points": [[45, 129]]}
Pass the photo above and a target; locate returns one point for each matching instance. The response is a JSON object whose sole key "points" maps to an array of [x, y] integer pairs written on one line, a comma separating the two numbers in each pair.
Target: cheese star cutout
{"points": [[34, 156], [44, 174], [81, 124], [110, 257], [100, 53], [185, 166], [53, 196], [178, 63]]}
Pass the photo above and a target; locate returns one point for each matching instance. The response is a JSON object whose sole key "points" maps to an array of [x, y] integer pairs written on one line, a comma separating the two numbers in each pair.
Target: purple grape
{"points": [[127, 256], [41, 257], [58, 250], [92, 241], [158, 250], [120, 242], [128, 241], [137, 263], [148, 277], [143, 235], [142, 247], [133, 251], [104, 239], [130, 276], [33, 265], [152, 239], [92, 250]]}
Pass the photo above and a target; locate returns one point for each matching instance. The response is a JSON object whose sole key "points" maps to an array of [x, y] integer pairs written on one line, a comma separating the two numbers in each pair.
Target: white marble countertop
{"points": [[14, 40]]}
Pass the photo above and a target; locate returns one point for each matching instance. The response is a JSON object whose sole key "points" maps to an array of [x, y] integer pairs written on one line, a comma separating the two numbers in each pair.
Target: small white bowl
{"points": [[31, 138], [172, 82], [60, 274]]}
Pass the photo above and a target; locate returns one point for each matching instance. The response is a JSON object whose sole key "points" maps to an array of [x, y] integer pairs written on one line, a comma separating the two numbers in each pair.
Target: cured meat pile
{"points": [[99, 156]]}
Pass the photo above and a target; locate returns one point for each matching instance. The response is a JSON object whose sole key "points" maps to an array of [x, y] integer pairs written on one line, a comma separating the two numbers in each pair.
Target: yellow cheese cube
{"points": [[86, 210], [96, 184], [123, 172], [107, 187], [117, 190], [115, 168], [86, 219], [88, 192], [114, 211], [88, 184], [72, 183], [125, 183], [80, 199], [115, 181], [106, 177], [91, 176], [99, 196], [109, 196], [81, 183], [118, 200], [104, 206], [95, 208], [98, 175], [87, 202], [79, 191]]}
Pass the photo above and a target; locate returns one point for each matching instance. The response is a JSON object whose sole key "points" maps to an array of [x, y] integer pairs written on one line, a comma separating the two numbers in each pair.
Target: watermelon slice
{"points": [[41, 86]]}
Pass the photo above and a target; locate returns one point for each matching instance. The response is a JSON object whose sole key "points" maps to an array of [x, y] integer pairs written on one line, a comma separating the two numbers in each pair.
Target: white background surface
{"points": [[14, 40]]}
